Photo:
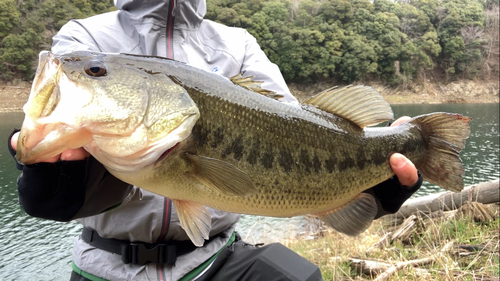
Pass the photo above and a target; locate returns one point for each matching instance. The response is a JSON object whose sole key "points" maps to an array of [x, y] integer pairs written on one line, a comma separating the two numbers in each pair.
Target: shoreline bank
{"points": [[14, 95], [464, 91]]}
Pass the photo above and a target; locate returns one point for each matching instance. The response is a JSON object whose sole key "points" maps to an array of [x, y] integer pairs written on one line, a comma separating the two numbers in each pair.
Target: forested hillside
{"points": [[394, 42], [27, 27]]}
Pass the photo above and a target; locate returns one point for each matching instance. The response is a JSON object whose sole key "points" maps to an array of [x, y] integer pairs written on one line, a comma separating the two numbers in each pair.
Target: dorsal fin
{"points": [[360, 104], [254, 86]]}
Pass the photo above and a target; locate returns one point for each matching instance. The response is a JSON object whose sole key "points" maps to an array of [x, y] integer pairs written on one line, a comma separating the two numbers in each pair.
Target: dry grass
{"points": [[473, 256]]}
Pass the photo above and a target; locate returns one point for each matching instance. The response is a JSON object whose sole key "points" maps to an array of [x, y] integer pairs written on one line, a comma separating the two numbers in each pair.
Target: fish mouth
{"points": [[38, 142], [41, 135]]}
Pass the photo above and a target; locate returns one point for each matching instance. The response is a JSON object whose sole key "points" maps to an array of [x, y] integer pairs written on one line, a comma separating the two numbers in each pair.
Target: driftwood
{"points": [[404, 233], [417, 214], [375, 267], [384, 269], [486, 193], [417, 223], [477, 211], [398, 266]]}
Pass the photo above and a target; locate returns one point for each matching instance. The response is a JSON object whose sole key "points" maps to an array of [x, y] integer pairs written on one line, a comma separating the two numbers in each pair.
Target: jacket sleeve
{"points": [[73, 37], [66, 190]]}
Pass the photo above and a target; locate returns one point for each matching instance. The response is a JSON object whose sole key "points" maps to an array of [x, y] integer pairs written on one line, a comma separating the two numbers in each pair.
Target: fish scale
{"points": [[283, 163]]}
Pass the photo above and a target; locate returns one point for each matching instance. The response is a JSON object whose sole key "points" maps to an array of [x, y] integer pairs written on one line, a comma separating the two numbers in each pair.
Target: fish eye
{"points": [[95, 68]]}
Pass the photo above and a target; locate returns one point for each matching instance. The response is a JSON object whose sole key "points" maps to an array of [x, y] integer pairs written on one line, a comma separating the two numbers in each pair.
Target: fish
{"points": [[202, 140]]}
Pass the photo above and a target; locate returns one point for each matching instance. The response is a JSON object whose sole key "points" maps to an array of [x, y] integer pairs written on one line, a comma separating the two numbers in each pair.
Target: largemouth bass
{"points": [[201, 140]]}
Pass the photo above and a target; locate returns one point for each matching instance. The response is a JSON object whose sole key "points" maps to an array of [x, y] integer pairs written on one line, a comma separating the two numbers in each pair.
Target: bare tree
{"points": [[471, 34], [410, 27], [491, 36], [294, 9]]}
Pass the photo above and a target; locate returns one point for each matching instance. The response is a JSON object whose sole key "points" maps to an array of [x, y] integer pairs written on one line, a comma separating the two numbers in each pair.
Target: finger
{"points": [[13, 143], [400, 120], [404, 169], [74, 154], [13, 140], [52, 159]]}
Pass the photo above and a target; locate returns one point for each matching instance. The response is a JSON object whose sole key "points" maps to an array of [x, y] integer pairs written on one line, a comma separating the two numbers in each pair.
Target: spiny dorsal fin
{"points": [[354, 217], [254, 86], [360, 104]]}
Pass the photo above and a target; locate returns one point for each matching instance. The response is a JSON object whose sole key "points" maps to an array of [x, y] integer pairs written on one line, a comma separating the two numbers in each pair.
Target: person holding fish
{"points": [[133, 234]]}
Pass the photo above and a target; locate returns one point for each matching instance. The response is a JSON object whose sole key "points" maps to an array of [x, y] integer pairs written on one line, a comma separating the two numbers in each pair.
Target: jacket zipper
{"points": [[170, 29], [160, 269]]}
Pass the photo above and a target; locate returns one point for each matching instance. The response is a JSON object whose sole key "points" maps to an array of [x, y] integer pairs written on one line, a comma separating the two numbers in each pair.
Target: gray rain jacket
{"points": [[174, 29]]}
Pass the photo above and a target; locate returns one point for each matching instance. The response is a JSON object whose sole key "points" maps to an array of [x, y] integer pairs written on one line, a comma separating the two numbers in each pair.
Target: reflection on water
{"points": [[35, 249]]}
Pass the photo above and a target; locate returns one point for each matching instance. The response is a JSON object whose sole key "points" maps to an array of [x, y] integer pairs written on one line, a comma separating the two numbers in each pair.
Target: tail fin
{"points": [[445, 134]]}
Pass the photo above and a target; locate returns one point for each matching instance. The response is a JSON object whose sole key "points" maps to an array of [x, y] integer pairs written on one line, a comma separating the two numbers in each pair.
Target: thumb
{"points": [[404, 169]]}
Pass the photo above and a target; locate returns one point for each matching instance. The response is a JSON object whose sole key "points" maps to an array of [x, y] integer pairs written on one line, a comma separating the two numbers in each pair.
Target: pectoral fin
{"points": [[195, 220], [222, 176], [353, 218]]}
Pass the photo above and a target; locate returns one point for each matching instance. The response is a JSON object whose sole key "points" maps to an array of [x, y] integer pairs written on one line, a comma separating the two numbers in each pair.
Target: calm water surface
{"points": [[36, 249]]}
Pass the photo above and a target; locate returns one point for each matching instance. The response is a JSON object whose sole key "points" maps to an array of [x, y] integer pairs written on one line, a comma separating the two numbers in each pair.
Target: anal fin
{"points": [[195, 220], [354, 217]]}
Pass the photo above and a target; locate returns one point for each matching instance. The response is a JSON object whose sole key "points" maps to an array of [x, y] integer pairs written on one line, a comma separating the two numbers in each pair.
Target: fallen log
{"points": [[486, 193]]}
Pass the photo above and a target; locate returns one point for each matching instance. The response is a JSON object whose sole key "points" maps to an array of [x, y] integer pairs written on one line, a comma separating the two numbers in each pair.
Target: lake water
{"points": [[36, 249]]}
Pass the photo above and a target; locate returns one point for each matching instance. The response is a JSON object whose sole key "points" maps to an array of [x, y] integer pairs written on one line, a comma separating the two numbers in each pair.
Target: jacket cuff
{"points": [[391, 195], [53, 191], [12, 151], [67, 190]]}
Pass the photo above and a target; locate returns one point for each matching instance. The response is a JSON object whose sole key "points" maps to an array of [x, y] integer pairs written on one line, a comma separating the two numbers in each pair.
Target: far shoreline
{"points": [[13, 95]]}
